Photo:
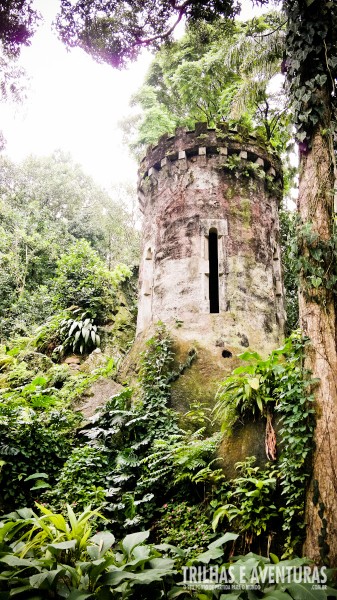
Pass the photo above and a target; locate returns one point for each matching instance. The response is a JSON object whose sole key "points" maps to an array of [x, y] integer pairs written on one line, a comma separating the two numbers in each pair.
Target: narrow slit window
{"points": [[213, 271]]}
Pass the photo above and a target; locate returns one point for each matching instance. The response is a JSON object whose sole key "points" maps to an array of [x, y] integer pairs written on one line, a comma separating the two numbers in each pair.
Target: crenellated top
{"points": [[207, 141]]}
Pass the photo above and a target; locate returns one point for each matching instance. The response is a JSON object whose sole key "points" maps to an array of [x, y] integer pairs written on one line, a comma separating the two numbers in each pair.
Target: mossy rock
{"points": [[119, 333], [246, 439], [200, 382]]}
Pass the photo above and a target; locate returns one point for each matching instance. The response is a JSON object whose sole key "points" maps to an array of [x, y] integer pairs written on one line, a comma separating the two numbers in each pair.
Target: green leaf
{"points": [[45, 579], [259, 403], [19, 590], [41, 485], [14, 561], [212, 554], [249, 356], [164, 547], [103, 541], [162, 563], [72, 328], [304, 591], [77, 595], [59, 522], [37, 476], [68, 545], [228, 537], [274, 558], [218, 515], [316, 281], [277, 595], [134, 539], [5, 529], [254, 383], [25, 513], [116, 576]]}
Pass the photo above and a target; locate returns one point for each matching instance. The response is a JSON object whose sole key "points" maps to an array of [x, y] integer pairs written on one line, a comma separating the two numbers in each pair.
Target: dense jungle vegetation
{"points": [[114, 502]]}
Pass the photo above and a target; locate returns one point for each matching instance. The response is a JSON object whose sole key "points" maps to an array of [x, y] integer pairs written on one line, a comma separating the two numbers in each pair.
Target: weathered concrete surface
{"points": [[189, 185]]}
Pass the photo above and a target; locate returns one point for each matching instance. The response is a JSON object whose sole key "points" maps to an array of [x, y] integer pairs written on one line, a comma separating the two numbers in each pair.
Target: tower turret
{"points": [[210, 254]]}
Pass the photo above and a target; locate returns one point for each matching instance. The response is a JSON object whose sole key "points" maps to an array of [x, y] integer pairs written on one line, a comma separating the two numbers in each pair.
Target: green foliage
{"points": [[190, 457], [184, 525], [278, 384], [82, 280], [18, 23], [132, 441], [46, 205], [37, 426], [32, 441], [52, 556], [314, 260], [290, 271], [310, 63], [296, 411], [216, 72], [250, 500], [125, 435], [81, 334], [80, 478], [117, 36]]}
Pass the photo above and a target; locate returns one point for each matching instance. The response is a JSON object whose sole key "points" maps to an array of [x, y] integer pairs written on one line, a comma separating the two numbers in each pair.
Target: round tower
{"points": [[210, 266]]}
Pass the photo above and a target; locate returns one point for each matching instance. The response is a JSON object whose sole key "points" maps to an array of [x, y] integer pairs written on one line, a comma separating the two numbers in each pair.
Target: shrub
{"points": [[32, 441], [185, 525], [83, 280]]}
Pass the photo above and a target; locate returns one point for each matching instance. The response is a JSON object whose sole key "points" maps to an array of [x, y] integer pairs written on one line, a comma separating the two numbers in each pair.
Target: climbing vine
{"points": [[295, 409], [122, 440], [316, 260], [277, 387], [310, 62]]}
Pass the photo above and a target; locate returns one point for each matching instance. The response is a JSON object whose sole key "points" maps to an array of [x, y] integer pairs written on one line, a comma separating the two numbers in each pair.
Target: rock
{"points": [[72, 360], [97, 395], [95, 360]]}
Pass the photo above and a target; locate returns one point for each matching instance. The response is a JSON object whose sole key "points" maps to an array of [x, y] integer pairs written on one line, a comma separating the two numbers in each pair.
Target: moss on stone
{"points": [[246, 439], [200, 382]]}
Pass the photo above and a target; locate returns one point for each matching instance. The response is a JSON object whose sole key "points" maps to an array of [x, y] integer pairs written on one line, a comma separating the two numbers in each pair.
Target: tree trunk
{"points": [[318, 321]]}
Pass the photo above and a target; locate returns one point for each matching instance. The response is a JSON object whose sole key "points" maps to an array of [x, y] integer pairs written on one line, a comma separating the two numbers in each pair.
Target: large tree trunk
{"points": [[318, 321]]}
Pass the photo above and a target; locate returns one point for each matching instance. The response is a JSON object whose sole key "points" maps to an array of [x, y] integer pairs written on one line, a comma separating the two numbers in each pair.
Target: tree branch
{"points": [[162, 36]]}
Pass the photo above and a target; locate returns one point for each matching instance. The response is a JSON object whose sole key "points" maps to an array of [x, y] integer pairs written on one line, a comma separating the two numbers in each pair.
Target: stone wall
{"points": [[189, 184]]}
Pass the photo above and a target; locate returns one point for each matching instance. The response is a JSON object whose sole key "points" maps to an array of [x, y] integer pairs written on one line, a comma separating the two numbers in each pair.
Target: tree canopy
{"points": [[115, 32], [18, 21], [215, 72], [46, 205]]}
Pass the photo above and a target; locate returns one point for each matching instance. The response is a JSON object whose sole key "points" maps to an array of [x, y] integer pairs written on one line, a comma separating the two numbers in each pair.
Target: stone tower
{"points": [[210, 266]]}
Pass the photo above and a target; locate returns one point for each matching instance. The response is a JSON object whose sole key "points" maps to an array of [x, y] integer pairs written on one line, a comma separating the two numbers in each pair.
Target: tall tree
{"points": [[311, 65], [215, 72]]}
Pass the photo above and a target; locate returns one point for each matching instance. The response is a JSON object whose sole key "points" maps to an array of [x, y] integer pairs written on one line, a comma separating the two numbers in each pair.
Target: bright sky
{"points": [[75, 104]]}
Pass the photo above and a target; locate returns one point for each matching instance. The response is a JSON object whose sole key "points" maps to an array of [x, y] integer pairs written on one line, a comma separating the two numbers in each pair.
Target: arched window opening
{"points": [[213, 271], [149, 254]]}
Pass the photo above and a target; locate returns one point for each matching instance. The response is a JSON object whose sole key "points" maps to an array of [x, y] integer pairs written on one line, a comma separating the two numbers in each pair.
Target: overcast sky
{"points": [[74, 104]]}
